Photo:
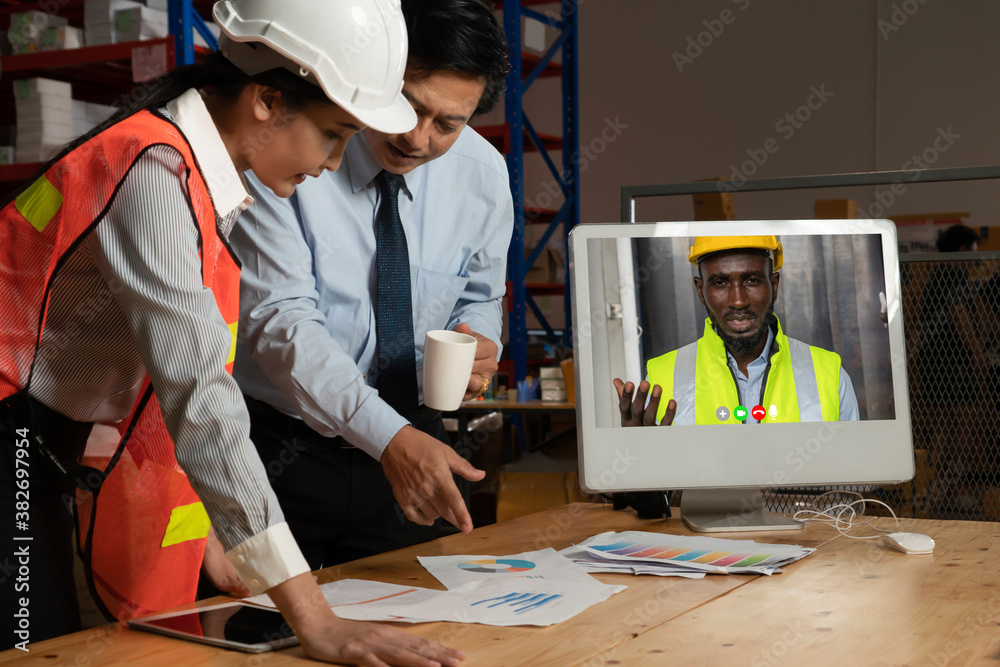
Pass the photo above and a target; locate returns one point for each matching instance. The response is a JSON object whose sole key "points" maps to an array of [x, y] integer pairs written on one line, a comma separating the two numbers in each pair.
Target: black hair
{"points": [[956, 236], [217, 72], [460, 36]]}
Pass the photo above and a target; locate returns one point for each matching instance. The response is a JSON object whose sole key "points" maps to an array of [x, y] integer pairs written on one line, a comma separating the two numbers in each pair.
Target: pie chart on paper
{"points": [[497, 565]]}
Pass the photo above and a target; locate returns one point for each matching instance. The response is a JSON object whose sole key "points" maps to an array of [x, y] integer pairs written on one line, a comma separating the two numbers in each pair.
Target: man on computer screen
{"points": [[744, 369]]}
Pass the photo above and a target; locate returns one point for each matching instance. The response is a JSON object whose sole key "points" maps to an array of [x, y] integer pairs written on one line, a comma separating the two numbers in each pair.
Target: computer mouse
{"points": [[909, 543]]}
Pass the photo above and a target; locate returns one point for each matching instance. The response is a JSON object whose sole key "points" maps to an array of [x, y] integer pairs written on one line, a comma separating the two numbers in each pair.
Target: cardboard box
{"points": [[548, 269], [714, 205], [836, 209]]}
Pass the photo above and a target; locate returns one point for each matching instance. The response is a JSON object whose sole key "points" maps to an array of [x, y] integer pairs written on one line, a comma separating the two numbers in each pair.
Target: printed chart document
{"points": [[490, 602], [593, 563], [499, 602], [658, 553], [454, 571]]}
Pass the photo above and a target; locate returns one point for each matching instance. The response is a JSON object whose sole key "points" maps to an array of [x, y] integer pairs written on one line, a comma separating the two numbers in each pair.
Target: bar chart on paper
{"points": [[519, 602]]}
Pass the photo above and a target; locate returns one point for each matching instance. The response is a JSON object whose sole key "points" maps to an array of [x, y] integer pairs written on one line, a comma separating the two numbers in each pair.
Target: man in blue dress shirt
{"points": [[336, 452]]}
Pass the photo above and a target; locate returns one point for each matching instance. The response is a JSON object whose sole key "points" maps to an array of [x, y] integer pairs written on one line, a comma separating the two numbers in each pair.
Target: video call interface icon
{"points": [[740, 413]]}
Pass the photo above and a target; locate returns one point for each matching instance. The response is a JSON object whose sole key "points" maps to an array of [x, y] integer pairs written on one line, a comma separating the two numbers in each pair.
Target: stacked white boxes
{"points": [[553, 384], [141, 23], [27, 28], [7, 134], [55, 38], [98, 19], [44, 118], [138, 23], [87, 115]]}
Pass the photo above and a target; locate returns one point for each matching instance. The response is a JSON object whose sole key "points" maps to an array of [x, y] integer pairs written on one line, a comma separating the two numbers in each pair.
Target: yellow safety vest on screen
{"points": [[803, 381]]}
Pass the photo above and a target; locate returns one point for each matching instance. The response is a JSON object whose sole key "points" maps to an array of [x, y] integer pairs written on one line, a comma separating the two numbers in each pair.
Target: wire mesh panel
{"points": [[951, 319]]}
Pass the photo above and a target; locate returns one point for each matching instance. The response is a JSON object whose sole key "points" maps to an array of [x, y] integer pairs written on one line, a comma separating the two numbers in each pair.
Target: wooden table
{"points": [[850, 603]]}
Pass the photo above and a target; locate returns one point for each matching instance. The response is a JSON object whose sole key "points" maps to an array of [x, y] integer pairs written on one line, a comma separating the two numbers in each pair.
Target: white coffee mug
{"points": [[448, 360]]}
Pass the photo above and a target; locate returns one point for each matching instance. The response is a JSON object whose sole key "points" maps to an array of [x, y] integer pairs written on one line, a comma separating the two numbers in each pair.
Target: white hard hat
{"points": [[355, 50]]}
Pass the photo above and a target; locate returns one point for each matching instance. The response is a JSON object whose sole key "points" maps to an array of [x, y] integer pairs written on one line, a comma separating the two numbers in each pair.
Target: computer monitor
{"points": [[635, 299]]}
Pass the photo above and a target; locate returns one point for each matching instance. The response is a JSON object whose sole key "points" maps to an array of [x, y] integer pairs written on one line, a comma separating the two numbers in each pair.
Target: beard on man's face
{"points": [[747, 341]]}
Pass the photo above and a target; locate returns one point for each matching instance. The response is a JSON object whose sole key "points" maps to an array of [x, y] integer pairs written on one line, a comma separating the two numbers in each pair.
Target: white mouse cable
{"points": [[844, 518]]}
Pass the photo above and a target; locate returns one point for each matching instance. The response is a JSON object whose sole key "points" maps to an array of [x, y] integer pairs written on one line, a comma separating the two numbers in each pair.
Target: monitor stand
{"points": [[730, 511]]}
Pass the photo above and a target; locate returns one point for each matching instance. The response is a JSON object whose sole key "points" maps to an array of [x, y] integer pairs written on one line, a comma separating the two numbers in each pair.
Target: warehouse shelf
{"points": [[103, 73], [516, 137], [499, 136]]}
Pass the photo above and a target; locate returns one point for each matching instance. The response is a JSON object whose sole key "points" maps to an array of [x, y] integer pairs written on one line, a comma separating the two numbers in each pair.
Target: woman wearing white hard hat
{"points": [[118, 298]]}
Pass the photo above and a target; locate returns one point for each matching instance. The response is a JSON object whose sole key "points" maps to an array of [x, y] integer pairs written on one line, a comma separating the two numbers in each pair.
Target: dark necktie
{"points": [[397, 362]]}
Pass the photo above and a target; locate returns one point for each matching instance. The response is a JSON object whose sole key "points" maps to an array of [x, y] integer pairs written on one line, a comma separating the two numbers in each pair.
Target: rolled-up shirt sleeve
{"points": [[147, 249]]}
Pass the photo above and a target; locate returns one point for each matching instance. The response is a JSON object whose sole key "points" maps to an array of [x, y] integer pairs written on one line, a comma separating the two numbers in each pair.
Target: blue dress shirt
{"points": [[307, 323]]}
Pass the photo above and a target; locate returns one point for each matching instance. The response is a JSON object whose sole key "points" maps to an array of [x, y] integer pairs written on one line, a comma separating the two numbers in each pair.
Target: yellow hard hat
{"points": [[706, 245]]}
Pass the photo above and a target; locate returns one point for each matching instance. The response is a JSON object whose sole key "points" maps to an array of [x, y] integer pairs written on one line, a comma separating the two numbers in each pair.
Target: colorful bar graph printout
{"points": [[665, 554], [705, 553]]}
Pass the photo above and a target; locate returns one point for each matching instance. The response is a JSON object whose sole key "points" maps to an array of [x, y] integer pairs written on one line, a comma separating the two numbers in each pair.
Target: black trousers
{"points": [[336, 498], [36, 522]]}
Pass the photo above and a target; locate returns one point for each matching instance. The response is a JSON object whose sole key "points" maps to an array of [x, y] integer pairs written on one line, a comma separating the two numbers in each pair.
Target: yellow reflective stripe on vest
{"points": [[827, 368], [784, 388], [714, 386], [39, 203], [187, 522], [660, 371], [232, 343]]}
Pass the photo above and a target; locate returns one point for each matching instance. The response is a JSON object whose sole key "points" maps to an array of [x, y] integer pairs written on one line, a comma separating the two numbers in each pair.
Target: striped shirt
{"points": [[130, 301]]}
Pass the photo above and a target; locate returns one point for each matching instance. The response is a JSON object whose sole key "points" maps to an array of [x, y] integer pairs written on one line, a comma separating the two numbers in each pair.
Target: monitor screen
{"points": [[781, 344]]}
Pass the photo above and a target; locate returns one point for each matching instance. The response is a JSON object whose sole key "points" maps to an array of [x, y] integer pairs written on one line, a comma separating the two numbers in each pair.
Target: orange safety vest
{"points": [[142, 530]]}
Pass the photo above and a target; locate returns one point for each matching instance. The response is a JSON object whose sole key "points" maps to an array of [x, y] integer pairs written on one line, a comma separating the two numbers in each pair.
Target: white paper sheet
{"points": [[498, 602], [538, 602], [455, 571], [659, 552]]}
